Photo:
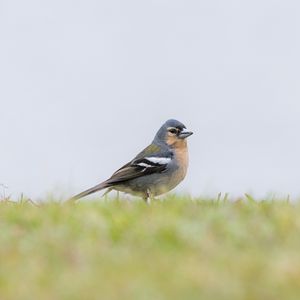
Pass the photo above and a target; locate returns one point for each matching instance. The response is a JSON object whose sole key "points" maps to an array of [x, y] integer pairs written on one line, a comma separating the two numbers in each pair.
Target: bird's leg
{"points": [[148, 197], [118, 196]]}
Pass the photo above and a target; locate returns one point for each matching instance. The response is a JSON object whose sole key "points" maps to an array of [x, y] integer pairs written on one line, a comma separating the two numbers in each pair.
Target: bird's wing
{"points": [[150, 160]]}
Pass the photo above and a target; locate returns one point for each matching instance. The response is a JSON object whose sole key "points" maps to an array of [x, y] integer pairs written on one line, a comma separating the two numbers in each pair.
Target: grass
{"points": [[175, 249]]}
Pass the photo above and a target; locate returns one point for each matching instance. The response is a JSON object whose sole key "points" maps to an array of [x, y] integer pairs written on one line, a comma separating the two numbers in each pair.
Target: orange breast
{"points": [[182, 156]]}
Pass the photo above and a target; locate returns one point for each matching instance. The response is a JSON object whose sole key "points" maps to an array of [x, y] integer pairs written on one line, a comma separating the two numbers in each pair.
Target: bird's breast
{"points": [[182, 159]]}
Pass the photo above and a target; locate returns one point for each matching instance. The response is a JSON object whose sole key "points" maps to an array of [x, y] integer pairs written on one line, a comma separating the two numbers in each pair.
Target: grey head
{"points": [[171, 129]]}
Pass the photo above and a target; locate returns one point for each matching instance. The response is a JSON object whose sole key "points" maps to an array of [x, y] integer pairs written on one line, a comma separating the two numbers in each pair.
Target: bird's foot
{"points": [[148, 197]]}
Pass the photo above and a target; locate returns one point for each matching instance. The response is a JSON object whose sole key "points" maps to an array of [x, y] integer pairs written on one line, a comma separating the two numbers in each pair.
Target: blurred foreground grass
{"points": [[176, 249]]}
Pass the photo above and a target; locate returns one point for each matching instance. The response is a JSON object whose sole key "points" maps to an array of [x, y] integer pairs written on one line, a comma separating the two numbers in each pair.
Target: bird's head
{"points": [[173, 133]]}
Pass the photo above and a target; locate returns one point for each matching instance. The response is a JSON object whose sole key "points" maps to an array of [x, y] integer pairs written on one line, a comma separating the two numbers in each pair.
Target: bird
{"points": [[156, 170]]}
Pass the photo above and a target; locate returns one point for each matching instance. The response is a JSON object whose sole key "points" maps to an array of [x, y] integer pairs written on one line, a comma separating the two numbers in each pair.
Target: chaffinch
{"points": [[156, 170]]}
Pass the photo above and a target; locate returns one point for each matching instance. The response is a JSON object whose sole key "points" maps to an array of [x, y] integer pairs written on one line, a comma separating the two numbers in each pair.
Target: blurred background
{"points": [[86, 84]]}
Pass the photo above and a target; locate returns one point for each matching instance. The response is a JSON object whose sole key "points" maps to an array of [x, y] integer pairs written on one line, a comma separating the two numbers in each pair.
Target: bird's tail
{"points": [[92, 190]]}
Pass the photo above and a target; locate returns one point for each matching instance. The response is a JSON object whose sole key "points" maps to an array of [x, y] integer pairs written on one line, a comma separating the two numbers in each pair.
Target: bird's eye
{"points": [[173, 131]]}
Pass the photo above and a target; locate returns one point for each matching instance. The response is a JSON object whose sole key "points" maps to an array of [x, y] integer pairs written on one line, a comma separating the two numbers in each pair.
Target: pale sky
{"points": [[85, 85]]}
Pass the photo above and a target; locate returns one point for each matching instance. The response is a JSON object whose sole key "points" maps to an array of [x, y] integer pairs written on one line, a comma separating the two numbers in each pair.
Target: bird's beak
{"points": [[184, 134]]}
